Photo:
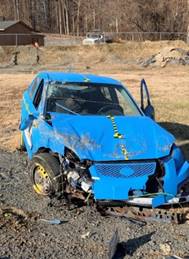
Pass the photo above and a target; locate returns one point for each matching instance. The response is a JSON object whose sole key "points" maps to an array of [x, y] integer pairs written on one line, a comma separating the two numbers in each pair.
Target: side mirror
{"points": [[146, 105], [27, 121]]}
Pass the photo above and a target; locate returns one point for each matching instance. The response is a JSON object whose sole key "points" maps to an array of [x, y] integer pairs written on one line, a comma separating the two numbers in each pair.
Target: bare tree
{"points": [[60, 15], [80, 16], [16, 9]]}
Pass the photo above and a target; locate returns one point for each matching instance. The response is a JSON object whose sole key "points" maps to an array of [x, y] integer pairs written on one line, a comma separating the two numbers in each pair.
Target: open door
{"points": [[146, 105], [30, 112]]}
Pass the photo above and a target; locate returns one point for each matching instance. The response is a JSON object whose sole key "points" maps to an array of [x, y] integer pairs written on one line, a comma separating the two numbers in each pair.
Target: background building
{"points": [[14, 33]]}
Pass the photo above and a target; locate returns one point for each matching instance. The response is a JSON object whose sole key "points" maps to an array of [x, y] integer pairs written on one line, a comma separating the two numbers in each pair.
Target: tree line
{"points": [[76, 17]]}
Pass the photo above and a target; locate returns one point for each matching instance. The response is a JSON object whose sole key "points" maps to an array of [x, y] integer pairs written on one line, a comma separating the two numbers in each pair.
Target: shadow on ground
{"points": [[130, 246], [181, 133]]}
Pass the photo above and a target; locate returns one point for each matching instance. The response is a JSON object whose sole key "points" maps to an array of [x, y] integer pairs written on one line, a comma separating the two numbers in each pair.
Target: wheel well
{"points": [[43, 150], [67, 151], [47, 150]]}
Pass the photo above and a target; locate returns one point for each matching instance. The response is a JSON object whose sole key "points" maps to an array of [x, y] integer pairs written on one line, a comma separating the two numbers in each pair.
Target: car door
{"points": [[29, 111], [146, 104]]}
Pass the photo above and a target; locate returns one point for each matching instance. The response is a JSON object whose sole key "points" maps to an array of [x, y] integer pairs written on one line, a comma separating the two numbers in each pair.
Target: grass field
{"points": [[169, 88]]}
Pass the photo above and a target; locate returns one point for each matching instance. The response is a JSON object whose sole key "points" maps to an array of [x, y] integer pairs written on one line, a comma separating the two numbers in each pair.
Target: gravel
{"points": [[83, 232]]}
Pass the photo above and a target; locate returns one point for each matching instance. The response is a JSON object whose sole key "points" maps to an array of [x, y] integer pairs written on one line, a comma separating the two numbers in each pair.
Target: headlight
{"points": [[178, 156]]}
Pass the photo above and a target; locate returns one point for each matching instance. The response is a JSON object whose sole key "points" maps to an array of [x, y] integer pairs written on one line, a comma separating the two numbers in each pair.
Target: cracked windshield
{"points": [[89, 99]]}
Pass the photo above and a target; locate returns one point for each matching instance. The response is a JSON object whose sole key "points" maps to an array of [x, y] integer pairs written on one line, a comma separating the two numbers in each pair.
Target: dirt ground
{"points": [[84, 233]]}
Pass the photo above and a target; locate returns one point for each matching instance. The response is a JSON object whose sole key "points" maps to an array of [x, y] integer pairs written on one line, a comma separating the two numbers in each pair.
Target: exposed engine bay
{"points": [[76, 176]]}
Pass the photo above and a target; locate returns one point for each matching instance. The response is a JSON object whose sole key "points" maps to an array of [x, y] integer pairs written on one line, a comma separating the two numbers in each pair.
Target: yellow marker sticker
{"points": [[124, 152], [115, 129], [119, 136]]}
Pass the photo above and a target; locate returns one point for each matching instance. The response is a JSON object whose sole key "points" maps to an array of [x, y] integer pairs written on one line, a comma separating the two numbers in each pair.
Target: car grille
{"points": [[126, 170]]}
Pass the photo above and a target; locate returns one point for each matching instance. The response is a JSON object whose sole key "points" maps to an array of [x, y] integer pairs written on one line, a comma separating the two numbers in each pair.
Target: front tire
{"points": [[45, 174]]}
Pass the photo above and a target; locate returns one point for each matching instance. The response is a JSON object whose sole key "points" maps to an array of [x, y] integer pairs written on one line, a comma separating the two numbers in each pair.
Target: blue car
{"points": [[87, 138]]}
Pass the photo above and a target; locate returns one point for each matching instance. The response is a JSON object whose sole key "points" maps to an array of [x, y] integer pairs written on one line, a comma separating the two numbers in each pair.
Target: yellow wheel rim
{"points": [[42, 183], [38, 188]]}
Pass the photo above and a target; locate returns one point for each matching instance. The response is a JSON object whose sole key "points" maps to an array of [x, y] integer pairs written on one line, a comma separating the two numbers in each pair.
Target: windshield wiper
{"points": [[66, 109]]}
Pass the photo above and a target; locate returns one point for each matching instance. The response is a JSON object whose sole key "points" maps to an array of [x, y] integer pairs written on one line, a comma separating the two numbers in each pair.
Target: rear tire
{"points": [[45, 174]]}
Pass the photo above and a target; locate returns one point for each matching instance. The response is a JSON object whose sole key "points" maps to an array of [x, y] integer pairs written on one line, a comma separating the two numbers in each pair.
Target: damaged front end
{"points": [[161, 179], [144, 189], [77, 182]]}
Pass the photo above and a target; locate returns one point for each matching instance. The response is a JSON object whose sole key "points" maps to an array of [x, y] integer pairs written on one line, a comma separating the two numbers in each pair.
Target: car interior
{"points": [[90, 100]]}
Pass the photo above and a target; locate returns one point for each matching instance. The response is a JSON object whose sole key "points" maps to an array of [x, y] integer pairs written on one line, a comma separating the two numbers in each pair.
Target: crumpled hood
{"points": [[92, 137]]}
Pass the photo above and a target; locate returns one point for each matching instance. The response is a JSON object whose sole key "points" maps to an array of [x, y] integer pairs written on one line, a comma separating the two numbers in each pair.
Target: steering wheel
{"points": [[110, 109]]}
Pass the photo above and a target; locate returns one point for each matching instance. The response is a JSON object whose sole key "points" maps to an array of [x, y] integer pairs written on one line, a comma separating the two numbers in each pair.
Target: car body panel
{"points": [[115, 188], [92, 137], [112, 187], [77, 78]]}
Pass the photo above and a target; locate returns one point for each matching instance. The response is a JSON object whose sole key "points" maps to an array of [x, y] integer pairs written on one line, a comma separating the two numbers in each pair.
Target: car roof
{"points": [[77, 78]]}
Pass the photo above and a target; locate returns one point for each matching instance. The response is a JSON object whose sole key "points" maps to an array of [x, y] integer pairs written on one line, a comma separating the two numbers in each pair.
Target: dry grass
{"points": [[88, 55], [11, 90], [169, 89]]}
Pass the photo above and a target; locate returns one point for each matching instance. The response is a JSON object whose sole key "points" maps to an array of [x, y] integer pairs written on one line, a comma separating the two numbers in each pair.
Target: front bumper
{"points": [[111, 187]]}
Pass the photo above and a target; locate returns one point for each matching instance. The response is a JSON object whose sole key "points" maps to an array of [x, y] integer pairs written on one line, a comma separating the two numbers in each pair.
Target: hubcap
{"points": [[42, 183]]}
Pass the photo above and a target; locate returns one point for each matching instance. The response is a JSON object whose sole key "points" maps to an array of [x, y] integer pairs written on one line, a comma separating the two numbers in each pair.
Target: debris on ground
{"points": [[15, 218], [52, 221], [167, 55], [174, 257], [113, 244], [165, 248], [86, 235]]}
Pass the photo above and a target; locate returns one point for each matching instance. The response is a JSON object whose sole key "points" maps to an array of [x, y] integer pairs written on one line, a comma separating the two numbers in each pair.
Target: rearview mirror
{"points": [[146, 105]]}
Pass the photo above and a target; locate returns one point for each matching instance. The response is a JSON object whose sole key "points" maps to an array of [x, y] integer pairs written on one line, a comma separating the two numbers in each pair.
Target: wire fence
{"points": [[143, 36], [57, 39], [17, 39]]}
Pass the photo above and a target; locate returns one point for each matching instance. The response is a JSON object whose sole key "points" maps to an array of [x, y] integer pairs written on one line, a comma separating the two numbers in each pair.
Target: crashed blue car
{"points": [[87, 138]]}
